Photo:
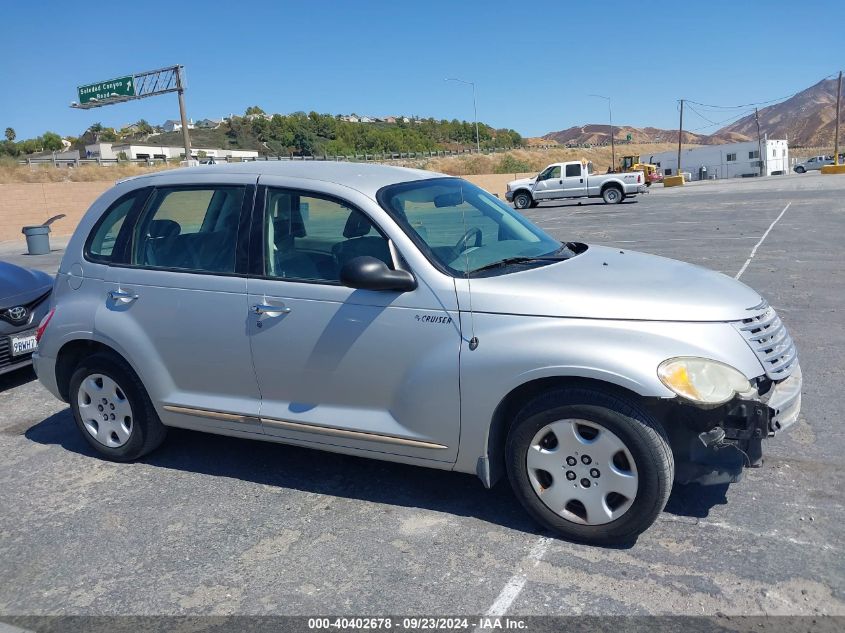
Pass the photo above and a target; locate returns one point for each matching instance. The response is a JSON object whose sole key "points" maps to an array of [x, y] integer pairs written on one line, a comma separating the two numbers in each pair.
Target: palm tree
{"points": [[10, 134]]}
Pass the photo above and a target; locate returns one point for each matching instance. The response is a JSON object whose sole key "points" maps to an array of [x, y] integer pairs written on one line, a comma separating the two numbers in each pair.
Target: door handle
{"points": [[263, 308], [560, 182], [121, 296], [581, 181]]}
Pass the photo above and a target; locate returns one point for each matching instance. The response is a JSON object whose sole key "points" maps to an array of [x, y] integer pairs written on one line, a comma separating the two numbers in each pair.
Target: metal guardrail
{"points": [[378, 156]]}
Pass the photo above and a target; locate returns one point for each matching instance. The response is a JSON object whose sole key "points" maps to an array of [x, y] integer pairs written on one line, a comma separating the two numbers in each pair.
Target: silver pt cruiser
{"points": [[412, 317]]}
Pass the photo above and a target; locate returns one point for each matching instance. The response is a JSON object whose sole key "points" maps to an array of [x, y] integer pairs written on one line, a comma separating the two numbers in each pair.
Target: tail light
{"points": [[639, 178], [39, 332]]}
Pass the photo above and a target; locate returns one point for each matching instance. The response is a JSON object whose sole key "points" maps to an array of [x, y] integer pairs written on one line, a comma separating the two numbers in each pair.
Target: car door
{"points": [[176, 305], [356, 370], [574, 181], [549, 184]]}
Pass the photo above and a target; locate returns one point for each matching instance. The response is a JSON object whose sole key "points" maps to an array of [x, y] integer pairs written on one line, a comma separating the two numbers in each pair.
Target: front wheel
{"points": [[112, 409], [522, 200], [799, 170], [612, 195], [590, 466]]}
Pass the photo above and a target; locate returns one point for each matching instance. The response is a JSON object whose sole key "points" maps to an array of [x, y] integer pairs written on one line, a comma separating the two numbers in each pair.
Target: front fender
{"points": [[516, 350]]}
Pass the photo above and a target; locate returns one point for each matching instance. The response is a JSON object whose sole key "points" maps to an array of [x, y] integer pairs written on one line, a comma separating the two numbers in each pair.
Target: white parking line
{"points": [[517, 582], [757, 245]]}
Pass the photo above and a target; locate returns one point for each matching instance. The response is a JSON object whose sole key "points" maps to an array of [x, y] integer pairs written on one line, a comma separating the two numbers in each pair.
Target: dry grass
{"points": [[513, 162], [527, 160], [11, 172]]}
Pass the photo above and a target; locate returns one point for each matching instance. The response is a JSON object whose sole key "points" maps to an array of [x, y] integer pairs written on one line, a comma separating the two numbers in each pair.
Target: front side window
{"points": [[461, 227], [310, 238], [549, 173], [191, 229]]}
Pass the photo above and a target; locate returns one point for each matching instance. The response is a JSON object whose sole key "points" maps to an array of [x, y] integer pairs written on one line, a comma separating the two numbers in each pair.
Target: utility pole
{"points": [[838, 103], [680, 136], [474, 110], [186, 137], [759, 142]]}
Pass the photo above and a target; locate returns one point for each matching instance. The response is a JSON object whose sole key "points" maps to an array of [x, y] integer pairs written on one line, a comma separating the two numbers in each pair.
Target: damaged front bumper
{"points": [[712, 446]]}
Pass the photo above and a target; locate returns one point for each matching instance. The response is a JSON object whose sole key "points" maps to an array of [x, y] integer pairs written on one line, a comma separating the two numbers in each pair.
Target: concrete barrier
{"points": [[28, 204], [833, 169]]}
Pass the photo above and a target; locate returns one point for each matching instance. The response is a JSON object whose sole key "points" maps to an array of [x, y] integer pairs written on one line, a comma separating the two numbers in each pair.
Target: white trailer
{"points": [[731, 160]]}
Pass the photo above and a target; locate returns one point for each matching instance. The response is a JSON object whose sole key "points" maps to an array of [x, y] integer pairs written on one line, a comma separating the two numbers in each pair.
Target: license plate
{"points": [[23, 343]]}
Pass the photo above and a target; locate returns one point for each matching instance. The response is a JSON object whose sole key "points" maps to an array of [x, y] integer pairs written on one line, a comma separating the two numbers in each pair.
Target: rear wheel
{"points": [[522, 200], [589, 465], [612, 195], [112, 409]]}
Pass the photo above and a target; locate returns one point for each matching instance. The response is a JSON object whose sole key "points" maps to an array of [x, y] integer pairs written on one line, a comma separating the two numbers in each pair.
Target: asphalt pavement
{"points": [[216, 525]]}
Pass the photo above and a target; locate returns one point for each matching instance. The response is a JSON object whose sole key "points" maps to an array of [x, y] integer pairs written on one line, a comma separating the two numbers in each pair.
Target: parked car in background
{"points": [[814, 163], [23, 303], [416, 318], [573, 179]]}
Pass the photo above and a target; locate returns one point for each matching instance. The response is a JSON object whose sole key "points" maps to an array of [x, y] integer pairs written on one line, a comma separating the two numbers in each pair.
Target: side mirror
{"points": [[369, 273]]}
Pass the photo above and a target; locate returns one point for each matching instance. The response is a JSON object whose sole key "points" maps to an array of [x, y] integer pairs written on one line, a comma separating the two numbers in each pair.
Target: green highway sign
{"points": [[120, 87]]}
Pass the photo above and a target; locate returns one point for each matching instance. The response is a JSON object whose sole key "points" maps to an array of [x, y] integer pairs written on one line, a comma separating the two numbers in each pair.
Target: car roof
{"points": [[367, 178]]}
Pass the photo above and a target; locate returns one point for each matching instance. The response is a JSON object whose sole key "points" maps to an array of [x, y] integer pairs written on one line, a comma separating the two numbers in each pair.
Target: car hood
{"points": [[610, 283], [513, 184], [19, 286]]}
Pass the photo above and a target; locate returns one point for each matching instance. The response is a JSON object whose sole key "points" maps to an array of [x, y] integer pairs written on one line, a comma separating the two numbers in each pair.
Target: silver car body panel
{"points": [[387, 374]]}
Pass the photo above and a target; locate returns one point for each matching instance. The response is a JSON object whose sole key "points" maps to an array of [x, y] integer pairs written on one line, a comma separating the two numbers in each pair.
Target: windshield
{"points": [[462, 228]]}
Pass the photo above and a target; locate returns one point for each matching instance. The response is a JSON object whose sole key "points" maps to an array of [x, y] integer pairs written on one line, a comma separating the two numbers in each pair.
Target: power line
{"points": [[755, 104]]}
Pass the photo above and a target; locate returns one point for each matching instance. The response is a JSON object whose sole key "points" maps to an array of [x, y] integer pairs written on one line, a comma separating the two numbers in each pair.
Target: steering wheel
{"points": [[462, 244]]}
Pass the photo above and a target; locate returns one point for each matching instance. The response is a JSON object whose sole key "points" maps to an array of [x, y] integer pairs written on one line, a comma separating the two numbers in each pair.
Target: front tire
{"points": [[112, 409], [522, 200], [589, 465], [612, 195], [800, 170]]}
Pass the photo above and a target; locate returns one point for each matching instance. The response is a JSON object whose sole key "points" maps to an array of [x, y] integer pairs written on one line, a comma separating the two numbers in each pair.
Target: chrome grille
{"points": [[767, 336]]}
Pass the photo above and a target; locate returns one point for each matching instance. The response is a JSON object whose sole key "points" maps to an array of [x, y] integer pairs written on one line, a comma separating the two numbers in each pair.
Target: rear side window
{"points": [[101, 242], [573, 170], [192, 229]]}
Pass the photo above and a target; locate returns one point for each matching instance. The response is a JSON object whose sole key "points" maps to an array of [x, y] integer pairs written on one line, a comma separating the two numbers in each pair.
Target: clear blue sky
{"points": [[534, 63]]}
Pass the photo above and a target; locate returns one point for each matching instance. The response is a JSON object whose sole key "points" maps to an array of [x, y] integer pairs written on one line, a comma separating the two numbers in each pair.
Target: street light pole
{"points": [[612, 142], [474, 110]]}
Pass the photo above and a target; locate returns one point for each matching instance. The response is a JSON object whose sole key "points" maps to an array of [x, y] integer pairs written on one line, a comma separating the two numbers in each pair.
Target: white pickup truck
{"points": [[573, 179]]}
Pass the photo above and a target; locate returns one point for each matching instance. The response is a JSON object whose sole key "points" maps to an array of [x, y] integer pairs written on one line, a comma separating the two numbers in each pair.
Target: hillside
{"points": [[598, 134], [806, 119], [315, 134]]}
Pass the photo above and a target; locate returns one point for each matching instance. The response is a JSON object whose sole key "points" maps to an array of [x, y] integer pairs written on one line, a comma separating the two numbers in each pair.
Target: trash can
{"points": [[38, 237]]}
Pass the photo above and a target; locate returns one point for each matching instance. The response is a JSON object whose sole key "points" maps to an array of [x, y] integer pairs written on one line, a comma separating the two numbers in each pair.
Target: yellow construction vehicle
{"points": [[632, 163]]}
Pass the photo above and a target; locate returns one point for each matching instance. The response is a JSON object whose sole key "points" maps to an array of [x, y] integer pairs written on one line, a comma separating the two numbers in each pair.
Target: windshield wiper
{"points": [[512, 260]]}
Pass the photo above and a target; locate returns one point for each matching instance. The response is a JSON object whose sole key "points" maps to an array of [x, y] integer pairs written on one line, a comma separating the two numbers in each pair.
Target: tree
{"points": [[10, 134], [253, 110], [144, 127], [51, 141]]}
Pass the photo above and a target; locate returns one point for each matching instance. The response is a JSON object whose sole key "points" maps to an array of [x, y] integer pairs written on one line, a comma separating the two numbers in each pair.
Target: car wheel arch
{"points": [[491, 465], [71, 354]]}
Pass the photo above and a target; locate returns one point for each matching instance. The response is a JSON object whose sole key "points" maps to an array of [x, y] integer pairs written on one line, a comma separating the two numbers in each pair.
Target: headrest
{"points": [[357, 225], [164, 228], [287, 221]]}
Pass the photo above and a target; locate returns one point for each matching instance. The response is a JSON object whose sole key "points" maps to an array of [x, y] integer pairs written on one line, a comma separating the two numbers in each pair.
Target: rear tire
{"points": [[522, 200], [612, 195], [112, 409], [589, 465]]}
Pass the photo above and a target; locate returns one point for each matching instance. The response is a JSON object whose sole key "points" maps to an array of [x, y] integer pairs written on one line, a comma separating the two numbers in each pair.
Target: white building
{"points": [[732, 160], [175, 126], [136, 151]]}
